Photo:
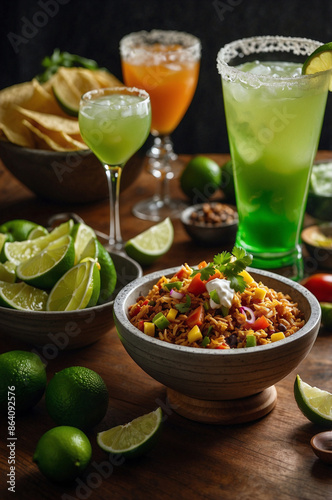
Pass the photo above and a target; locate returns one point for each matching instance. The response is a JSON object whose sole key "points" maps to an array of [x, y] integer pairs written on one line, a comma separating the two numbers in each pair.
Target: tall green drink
{"points": [[274, 117]]}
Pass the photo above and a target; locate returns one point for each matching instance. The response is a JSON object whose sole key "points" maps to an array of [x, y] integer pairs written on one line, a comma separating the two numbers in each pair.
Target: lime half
{"points": [[78, 288], [314, 403], [151, 244], [319, 60], [22, 296], [132, 439]]}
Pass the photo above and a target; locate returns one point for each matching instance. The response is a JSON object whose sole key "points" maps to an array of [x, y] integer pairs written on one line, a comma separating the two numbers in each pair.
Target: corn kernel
{"points": [[277, 336], [149, 328], [194, 334], [247, 277], [259, 293], [171, 315]]}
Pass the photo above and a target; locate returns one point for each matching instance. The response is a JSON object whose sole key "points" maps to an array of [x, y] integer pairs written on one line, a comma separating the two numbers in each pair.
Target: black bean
{"points": [[232, 340]]}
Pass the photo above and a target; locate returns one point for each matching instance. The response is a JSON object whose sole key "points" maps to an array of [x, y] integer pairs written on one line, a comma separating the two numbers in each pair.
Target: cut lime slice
{"points": [[37, 232], [151, 244], [132, 439], [46, 267], [22, 296], [8, 272], [82, 235], [4, 237], [314, 403], [319, 60], [19, 251], [78, 288]]}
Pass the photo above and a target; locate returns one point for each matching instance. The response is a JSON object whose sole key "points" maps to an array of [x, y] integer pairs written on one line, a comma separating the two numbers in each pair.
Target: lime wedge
{"points": [[46, 267], [37, 232], [132, 439], [19, 229], [314, 403], [4, 237], [22, 296], [78, 288], [8, 272], [151, 244], [82, 234], [319, 60], [19, 251]]}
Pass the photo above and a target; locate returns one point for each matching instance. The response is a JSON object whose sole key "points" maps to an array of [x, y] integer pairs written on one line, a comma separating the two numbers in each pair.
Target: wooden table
{"points": [[267, 459]]}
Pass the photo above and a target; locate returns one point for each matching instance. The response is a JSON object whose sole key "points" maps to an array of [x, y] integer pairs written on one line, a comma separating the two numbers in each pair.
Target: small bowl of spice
{"points": [[211, 224]]}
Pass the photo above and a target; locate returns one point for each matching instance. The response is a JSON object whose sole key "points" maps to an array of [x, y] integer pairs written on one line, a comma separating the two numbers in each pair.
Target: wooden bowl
{"points": [[64, 177], [209, 374], [56, 331], [322, 446]]}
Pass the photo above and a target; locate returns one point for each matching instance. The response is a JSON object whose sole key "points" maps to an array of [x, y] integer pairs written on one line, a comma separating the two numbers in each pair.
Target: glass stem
{"points": [[113, 174]]}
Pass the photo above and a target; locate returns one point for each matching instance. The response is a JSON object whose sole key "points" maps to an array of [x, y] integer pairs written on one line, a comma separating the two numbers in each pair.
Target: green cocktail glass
{"points": [[114, 123], [274, 116]]}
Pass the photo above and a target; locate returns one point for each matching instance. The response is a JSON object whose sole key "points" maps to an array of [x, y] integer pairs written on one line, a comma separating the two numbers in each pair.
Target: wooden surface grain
{"points": [[270, 458]]}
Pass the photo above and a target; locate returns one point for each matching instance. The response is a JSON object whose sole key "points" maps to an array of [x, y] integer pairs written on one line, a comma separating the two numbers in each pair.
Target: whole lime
{"points": [[19, 229], [22, 374], [77, 396], [62, 453], [200, 179]]}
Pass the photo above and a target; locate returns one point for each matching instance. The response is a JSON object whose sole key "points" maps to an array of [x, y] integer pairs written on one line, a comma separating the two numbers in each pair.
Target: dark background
{"points": [[31, 30]]}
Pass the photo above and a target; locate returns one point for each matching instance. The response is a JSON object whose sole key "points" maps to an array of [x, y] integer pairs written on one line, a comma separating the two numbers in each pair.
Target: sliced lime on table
{"points": [[132, 439], [314, 403], [78, 288], [7, 272], [19, 251], [319, 60], [46, 267], [22, 296], [82, 235], [151, 244]]}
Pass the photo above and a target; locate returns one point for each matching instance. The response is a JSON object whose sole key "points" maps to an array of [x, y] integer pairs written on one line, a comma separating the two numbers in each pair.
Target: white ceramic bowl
{"points": [[56, 331], [209, 374]]}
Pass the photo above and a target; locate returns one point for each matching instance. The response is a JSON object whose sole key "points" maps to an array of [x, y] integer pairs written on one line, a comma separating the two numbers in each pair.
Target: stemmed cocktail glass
{"points": [[114, 123], [166, 65]]}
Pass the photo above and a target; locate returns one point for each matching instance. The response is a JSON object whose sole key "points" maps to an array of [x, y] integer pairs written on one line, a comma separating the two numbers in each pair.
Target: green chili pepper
{"points": [[160, 321]]}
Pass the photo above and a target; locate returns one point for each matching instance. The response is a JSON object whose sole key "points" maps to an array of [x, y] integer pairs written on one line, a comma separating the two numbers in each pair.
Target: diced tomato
{"points": [[196, 317], [214, 276], [181, 274], [141, 325], [260, 324], [222, 346], [196, 285]]}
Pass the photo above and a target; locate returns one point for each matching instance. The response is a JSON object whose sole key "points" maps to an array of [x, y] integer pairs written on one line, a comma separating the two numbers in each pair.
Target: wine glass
{"points": [[166, 65], [114, 123]]}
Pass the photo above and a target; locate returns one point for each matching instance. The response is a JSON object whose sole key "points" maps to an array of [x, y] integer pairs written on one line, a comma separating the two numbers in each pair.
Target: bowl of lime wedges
{"points": [[57, 288]]}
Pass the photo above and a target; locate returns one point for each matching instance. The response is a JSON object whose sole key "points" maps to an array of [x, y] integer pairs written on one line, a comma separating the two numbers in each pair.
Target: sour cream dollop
{"points": [[224, 291]]}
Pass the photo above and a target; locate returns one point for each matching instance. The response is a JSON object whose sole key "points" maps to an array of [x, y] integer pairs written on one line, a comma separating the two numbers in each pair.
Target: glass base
{"points": [[156, 210]]}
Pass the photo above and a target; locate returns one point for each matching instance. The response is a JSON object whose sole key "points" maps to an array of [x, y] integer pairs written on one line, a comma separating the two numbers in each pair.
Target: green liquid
{"points": [[273, 133], [115, 126]]}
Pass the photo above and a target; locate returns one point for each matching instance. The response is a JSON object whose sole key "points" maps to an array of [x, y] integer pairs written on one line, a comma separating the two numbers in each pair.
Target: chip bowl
{"points": [[219, 386], [57, 331], [64, 176]]}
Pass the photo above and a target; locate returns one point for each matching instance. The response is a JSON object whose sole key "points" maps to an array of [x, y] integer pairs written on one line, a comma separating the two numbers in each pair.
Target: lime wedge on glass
{"points": [[314, 403], [46, 267], [78, 288], [22, 296], [19, 251], [151, 244], [319, 60], [7, 272], [133, 439], [82, 234]]}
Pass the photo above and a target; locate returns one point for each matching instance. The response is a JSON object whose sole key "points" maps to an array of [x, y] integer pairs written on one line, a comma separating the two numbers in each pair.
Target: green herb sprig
{"points": [[57, 59], [230, 265]]}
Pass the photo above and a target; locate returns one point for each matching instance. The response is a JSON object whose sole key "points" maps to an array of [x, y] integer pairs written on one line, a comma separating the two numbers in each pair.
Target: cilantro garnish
{"points": [[184, 307], [214, 296], [230, 265]]}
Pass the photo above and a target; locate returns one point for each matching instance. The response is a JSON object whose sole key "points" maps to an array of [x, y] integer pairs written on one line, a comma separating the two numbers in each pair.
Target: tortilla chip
{"points": [[56, 141], [51, 122]]}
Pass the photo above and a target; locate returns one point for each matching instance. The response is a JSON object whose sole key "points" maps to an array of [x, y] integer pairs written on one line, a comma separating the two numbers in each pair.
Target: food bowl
{"points": [[319, 203], [318, 241], [69, 329], [321, 444], [64, 177], [219, 386], [210, 233]]}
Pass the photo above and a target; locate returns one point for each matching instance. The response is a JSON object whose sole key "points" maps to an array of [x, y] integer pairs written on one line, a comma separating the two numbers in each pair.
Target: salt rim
{"points": [[130, 45], [87, 97], [259, 44]]}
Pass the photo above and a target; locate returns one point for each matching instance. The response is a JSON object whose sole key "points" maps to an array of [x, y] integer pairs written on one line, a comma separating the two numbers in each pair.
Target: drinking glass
{"points": [[274, 117], [114, 123], [166, 65]]}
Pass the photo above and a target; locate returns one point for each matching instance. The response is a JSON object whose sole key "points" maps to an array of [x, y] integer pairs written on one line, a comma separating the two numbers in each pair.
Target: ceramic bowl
{"points": [[64, 177], [322, 446], [209, 374], [319, 203], [209, 235], [321, 254], [70, 329]]}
